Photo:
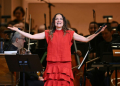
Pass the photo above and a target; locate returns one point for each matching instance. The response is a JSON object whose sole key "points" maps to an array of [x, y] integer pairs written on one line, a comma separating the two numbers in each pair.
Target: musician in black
{"points": [[99, 77], [104, 46], [114, 24], [31, 78], [118, 29], [117, 40], [93, 27]]}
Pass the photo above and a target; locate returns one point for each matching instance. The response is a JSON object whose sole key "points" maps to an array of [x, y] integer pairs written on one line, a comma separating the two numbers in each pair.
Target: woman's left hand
{"points": [[103, 28]]}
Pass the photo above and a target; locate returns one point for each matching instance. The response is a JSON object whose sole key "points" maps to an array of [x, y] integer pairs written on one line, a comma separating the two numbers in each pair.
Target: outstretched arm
{"points": [[35, 36], [86, 39]]}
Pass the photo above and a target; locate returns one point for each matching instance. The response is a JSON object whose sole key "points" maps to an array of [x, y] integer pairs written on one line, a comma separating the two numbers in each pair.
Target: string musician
{"points": [[31, 78]]}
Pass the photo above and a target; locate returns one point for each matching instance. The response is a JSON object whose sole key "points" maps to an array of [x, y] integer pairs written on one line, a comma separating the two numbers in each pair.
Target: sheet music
{"points": [[10, 52], [117, 52]]}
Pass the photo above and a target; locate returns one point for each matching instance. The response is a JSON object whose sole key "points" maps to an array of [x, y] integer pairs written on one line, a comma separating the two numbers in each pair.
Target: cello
{"points": [[113, 78], [78, 73]]}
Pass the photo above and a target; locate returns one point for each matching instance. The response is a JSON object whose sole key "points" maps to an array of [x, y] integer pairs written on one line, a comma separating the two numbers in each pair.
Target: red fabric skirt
{"points": [[58, 74]]}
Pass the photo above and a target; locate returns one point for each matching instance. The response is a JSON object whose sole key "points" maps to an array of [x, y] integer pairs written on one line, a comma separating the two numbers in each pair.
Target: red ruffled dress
{"points": [[59, 69]]}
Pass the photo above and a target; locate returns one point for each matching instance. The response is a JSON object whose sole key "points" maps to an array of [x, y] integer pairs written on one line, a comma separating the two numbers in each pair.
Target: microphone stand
{"points": [[45, 21], [94, 18], [94, 15], [89, 49], [49, 6]]}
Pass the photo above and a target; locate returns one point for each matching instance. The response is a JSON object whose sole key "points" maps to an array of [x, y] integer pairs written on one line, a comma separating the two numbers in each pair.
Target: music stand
{"points": [[23, 63], [116, 55]]}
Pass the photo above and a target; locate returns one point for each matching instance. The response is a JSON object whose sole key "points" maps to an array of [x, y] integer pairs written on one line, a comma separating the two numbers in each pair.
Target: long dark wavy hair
{"points": [[53, 27]]}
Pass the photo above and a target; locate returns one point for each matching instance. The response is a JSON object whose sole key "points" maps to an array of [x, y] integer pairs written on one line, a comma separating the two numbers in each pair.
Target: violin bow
{"points": [[24, 22], [29, 33], [25, 19]]}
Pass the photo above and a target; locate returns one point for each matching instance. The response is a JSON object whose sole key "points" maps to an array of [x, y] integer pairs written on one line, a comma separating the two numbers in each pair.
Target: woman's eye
{"points": [[61, 18], [56, 18]]}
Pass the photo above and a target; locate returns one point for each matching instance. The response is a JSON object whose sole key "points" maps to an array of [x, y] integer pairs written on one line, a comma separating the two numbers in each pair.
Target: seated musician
{"points": [[118, 29], [99, 77], [114, 24], [92, 45], [93, 27], [31, 79], [117, 40], [104, 46]]}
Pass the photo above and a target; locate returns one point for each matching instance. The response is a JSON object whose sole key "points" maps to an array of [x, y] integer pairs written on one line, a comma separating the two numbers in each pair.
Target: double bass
{"points": [[78, 73]]}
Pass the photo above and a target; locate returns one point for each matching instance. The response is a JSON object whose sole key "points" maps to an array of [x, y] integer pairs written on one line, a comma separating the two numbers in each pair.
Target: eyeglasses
{"points": [[22, 38]]}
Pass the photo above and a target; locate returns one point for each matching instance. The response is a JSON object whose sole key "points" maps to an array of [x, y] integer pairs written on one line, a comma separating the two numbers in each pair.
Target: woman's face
{"points": [[18, 15], [58, 21]]}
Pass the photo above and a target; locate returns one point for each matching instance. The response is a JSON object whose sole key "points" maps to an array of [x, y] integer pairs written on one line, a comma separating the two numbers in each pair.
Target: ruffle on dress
{"points": [[58, 74]]}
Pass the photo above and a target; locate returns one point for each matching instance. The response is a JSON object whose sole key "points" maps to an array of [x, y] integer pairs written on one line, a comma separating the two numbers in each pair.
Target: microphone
{"points": [[100, 28]]}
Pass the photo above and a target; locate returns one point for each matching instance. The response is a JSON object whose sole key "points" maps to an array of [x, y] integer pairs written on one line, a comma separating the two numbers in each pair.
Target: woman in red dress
{"points": [[59, 38]]}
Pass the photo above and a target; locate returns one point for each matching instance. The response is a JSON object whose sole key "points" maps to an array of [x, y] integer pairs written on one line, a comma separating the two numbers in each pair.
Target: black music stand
{"points": [[23, 63]]}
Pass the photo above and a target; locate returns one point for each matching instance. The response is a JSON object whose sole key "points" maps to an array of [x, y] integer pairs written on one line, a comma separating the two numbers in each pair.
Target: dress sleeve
{"points": [[47, 35], [71, 36], [71, 33]]}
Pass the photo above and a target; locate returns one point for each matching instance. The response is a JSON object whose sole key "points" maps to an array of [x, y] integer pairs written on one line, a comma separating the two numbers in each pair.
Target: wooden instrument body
{"points": [[7, 77], [116, 54], [113, 80], [78, 73]]}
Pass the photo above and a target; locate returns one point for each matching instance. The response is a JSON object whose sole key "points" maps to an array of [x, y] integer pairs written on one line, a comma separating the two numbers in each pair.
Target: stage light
{"points": [[108, 18]]}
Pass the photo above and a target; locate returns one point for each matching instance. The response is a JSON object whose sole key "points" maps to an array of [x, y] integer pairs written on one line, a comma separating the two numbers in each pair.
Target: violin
{"points": [[24, 51], [78, 73]]}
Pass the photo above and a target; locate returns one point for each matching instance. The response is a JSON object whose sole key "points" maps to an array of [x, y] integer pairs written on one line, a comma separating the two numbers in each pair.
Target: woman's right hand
{"points": [[40, 78], [13, 28]]}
